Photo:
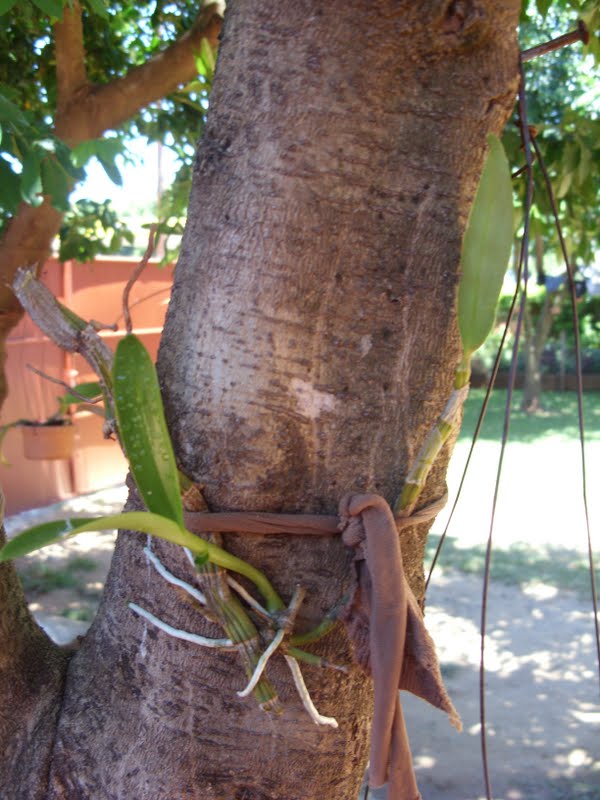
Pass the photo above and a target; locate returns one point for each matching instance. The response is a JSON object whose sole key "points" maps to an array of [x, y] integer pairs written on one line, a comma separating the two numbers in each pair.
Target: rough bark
{"points": [[32, 671], [309, 346], [85, 111]]}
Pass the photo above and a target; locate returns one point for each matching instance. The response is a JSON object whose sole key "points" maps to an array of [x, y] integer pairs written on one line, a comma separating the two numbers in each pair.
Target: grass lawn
{"points": [[539, 532], [558, 419]]}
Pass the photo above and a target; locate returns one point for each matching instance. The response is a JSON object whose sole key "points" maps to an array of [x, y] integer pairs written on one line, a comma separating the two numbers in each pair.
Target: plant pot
{"points": [[48, 442]]}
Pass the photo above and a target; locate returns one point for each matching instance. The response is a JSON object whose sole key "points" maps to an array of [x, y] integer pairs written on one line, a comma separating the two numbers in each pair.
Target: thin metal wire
{"points": [[578, 370], [478, 426], [524, 268]]}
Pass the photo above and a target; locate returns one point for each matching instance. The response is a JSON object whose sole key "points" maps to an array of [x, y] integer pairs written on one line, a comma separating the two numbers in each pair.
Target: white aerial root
{"points": [[170, 578], [239, 589], [195, 638], [262, 663], [307, 702], [228, 644]]}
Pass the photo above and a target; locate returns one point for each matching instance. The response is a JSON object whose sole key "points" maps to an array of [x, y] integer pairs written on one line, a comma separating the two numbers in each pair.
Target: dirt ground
{"points": [[542, 698]]}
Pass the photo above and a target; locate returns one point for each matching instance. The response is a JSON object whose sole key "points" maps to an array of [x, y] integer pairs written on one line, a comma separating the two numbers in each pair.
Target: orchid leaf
{"points": [[58, 530], [144, 521], [486, 249], [143, 429]]}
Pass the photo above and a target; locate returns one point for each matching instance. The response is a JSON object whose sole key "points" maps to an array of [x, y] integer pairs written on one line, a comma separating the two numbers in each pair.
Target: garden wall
{"points": [[93, 291]]}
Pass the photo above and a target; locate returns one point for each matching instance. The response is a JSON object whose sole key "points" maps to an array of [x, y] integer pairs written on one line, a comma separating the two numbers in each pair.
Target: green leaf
{"points": [[585, 163], [58, 530], [9, 112], [31, 180], [109, 148], [205, 60], [39, 536], [82, 152], [564, 185], [56, 183], [543, 6], [99, 8], [111, 170], [143, 429], [10, 193], [6, 5], [105, 150], [53, 8], [486, 249]]}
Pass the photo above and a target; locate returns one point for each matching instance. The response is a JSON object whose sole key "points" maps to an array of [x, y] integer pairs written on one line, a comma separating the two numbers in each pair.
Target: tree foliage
{"points": [[116, 38], [564, 110], [563, 105]]}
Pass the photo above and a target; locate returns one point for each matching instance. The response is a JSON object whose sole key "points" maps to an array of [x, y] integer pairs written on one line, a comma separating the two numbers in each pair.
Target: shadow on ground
{"points": [[520, 565], [542, 710]]}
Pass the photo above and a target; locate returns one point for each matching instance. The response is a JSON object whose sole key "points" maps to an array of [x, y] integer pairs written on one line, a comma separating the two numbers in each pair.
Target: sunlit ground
{"points": [[543, 714], [541, 677]]}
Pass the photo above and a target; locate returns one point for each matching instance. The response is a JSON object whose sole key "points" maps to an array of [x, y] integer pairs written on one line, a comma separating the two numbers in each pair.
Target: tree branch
{"points": [[107, 106], [71, 74]]}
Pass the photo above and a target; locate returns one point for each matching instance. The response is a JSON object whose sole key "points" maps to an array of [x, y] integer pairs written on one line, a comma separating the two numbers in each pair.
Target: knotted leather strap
{"points": [[383, 619], [400, 653]]}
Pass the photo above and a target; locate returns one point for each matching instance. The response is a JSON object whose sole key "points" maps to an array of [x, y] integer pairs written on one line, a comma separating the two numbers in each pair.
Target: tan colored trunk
{"points": [[32, 672], [310, 343]]}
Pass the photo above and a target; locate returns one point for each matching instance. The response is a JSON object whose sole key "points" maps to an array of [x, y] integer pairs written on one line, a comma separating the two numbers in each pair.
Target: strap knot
{"points": [[386, 627]]}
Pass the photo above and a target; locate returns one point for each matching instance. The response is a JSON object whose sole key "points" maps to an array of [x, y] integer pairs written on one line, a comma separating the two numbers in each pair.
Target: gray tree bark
{"points": [[309, 346]]}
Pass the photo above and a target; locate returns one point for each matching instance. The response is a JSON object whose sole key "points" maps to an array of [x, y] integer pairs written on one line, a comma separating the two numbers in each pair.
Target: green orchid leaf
{"points": [[144, 521], [208, 56], [58, 530], [486, 249], [143, 429], [39, 536]]}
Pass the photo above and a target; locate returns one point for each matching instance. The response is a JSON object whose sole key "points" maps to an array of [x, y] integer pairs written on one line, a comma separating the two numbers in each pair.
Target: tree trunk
{"points": [[309, 346]]}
